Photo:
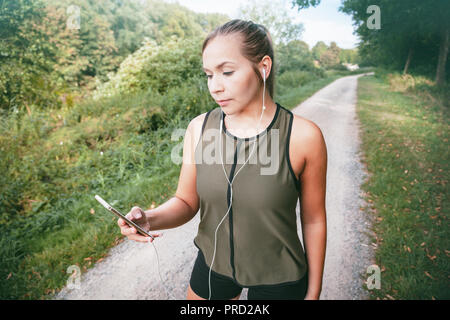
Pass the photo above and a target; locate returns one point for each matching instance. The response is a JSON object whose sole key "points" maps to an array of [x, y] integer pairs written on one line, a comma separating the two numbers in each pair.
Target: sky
{"points": [[322, 23]]}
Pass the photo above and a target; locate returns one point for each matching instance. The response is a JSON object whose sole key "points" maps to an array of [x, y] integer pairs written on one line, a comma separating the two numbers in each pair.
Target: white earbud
{"points": [[264, 78]]}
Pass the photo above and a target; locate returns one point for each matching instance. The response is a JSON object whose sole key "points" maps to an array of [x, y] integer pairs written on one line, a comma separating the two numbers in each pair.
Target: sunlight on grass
{"points": [[406, 152]]}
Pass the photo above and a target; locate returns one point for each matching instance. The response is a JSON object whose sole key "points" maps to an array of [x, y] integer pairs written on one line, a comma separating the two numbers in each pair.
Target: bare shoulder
{"points": [[195, 127], [305, 131], [307, 142], [197, 122]]}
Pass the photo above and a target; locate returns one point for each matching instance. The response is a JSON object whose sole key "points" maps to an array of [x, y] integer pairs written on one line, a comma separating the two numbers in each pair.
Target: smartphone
{"points": [[120, 215]]}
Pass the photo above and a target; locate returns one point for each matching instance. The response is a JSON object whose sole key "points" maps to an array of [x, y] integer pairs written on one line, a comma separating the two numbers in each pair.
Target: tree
{"points": [[26, 57], [319, 49], [348, 55], [411, 31], [330, 58], [89, 51], [275, 17], [294, 56], [304, 4]]}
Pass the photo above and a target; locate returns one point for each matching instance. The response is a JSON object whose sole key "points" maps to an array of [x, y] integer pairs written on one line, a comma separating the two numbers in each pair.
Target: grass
{"points": [[405, 122], [52, 163]]}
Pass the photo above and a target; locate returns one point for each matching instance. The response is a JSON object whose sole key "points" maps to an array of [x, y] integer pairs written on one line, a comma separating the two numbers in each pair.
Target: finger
{"points": [[121, 222], [136, 213], [126, 230], [139, 238], [129, 216], [156, 235]]}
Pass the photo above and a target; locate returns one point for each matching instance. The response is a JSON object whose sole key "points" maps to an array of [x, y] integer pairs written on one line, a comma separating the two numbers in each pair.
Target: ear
{"points": [[265, 65]]}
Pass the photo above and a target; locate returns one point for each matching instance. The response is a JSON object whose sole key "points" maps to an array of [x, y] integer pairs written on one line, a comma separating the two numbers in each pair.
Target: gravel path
{"points": [[348, 247], [130, 271]]}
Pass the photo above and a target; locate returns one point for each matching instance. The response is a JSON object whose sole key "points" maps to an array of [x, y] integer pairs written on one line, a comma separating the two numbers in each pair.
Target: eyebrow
{"points": [[219, 65]]}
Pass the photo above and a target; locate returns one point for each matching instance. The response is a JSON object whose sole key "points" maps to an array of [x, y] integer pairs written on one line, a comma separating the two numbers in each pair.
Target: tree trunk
{"points": [[408, 61], [442, 60]]}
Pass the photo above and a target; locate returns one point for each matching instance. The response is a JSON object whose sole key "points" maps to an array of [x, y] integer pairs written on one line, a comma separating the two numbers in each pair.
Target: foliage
{"points": [[45, 63], [304, 4], [319, 48], [25, 57], [58, 148], [295, 55], [156, 67], [52, 164], [275, 17], [349, 56], [412, 29], [330, 57]]}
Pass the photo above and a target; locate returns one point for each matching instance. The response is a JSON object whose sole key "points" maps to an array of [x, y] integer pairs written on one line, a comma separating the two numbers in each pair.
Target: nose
{"points": [[215, 84]]}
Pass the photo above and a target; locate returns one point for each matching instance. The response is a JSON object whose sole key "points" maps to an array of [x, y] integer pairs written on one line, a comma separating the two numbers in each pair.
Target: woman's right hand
{"points": [[138, 216]]}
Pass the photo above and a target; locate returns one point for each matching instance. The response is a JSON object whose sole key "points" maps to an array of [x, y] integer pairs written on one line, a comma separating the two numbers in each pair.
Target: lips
{"points": [[223, 103]]}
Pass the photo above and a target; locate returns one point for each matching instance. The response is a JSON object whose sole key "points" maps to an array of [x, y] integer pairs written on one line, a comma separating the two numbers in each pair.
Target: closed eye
{"points": [[225, 73]]}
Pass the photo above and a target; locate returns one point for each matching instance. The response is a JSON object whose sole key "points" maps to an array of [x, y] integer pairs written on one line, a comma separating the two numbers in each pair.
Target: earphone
{"points": [[226, 176]]}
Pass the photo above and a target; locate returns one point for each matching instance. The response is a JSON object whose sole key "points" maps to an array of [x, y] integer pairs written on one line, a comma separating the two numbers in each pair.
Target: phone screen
{"points": [[120, 215]]}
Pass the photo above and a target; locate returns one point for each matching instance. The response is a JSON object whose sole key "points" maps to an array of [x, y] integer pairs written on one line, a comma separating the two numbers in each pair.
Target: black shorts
{"points": [[224, 288]]}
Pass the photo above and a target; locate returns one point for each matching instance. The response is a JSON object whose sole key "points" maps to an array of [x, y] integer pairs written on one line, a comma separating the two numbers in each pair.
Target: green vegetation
{"points": [[412, 35], [94, 111], [405, 122], [118, 147], [94, 114], [52, 54]]}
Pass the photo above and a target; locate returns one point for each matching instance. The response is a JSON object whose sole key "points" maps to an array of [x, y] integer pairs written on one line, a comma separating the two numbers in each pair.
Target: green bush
{"points": [[155, 67], [293, 79]]}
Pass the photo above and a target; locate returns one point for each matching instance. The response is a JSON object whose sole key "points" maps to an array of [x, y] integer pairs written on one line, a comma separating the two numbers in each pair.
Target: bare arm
{"points": [[171, 214], [184, 205], [313, 212]]}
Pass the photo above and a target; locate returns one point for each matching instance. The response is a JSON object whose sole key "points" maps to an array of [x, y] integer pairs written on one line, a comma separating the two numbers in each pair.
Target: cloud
{"points": [[328, 31]]}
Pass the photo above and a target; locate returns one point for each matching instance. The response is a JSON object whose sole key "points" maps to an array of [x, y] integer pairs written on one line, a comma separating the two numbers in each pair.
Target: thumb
{"points": [[136, 212]]}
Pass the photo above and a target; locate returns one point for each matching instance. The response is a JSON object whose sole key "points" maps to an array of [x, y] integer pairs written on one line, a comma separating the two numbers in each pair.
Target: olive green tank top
{"points": [[257, 243]]}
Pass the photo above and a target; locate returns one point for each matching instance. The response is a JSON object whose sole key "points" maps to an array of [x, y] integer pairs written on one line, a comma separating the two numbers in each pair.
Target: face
{"points": [[235, 80]]}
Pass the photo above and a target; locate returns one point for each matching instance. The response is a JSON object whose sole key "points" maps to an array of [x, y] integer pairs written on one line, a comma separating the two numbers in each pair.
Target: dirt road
{"points": [[348, 248], [131, 270]]}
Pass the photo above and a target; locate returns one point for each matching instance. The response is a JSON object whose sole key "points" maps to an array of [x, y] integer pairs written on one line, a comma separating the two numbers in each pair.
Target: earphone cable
{"points": [[232, 180], [159, 271]]}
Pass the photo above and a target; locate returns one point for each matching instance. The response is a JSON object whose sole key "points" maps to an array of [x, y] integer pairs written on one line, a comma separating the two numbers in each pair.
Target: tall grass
{"points": [[54, 162]]}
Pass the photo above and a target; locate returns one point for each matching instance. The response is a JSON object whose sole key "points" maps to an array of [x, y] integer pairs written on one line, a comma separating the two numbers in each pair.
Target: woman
{"points": [[247, 236]]}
